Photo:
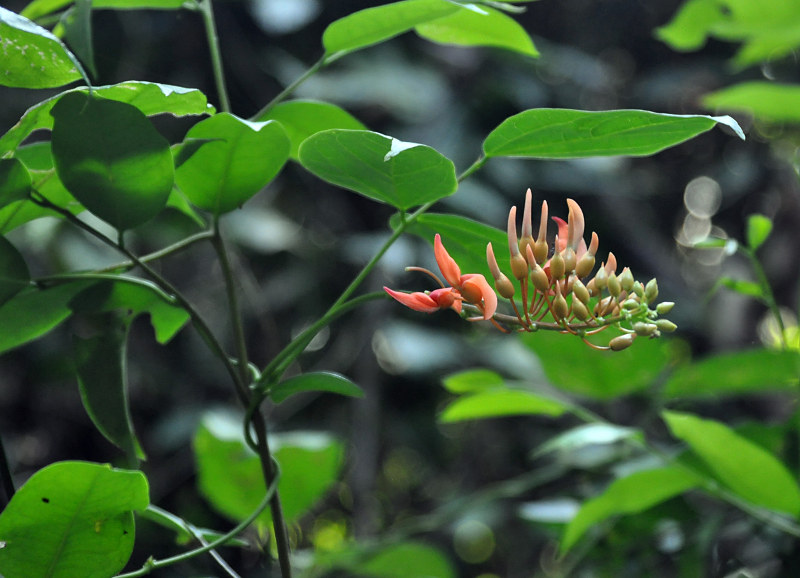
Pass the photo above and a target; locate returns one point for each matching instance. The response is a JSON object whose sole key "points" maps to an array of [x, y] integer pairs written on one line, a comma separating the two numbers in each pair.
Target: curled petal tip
{"points": [[416, 301], [576, 224], [447, 265]]}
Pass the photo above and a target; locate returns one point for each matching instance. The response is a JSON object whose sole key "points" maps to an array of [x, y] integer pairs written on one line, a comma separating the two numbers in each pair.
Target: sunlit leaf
{"points": [[32, 56], [238, 158], [14, 275], [230, 474], [478, 26], [149, 97], [472, 381], [748, 470], [629, 495], [766, 101], [742, 372], [77, 26], [500, 402], [589, 434], [72, 519], [382, 168], [103, 383], [15, 181], [302, 118], [111, 158], [748, 288], [548, 133], [315, 381], [374, 25], [758, 229], [39, 8]]}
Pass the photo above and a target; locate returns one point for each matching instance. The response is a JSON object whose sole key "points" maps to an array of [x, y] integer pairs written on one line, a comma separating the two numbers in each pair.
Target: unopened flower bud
{"points": [[557, 266], [622, 342], [626, 279], [592, 288], [630, 305], [502, 283], [539, 279], [519, 266], [651, 290], [601, 279], [570, 259], [560, 308], [580, 310], [584, 265], [638, 289], [580, 291], [644, 329], [614, 285], [666, 325], [604, 306], [664, 307], [540, 251]]}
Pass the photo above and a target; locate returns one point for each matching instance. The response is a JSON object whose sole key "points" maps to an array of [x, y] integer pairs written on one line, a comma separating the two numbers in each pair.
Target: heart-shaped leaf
{"points": [[111, 158]]}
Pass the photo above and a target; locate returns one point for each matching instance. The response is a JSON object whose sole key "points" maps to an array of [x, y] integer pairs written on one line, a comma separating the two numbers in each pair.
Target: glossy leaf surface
{"points": [[322, 381], [302, 118], [111, 158], [71, 520], [548, 133], [32, 56], [748, 470], [382, 168], [14, 275], [39, 8], [237, 159]]}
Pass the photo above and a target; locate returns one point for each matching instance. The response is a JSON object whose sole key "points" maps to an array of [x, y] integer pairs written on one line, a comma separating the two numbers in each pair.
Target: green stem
{"points": [[316, 67], [474, 167], [216, 59], [161, 253], [91, 276], [766, 289], [151, 564]]}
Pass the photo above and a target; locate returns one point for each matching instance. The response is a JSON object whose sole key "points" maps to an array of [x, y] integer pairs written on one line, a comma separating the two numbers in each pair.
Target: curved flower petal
{"points": [[476, 290], [449, 268], [416, 301], [576, 224]]}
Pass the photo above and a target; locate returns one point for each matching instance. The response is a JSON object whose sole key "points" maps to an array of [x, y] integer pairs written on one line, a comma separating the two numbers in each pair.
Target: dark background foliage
{"points": [[301, 241]]}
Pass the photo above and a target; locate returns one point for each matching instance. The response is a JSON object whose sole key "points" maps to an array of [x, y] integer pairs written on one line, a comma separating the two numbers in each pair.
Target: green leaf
{"points": [[500, 402], [382, 168], [464, 239], [573, 366], [134, 299], [15, 181], [14, 275], [178, 525], [590, 434], [374, 25], [748, 470], [747, 288], [77, 24], [472, 381], [766, 101], [238, 160], [478, 26], [103, 383], [629, 495], [315, 381], [406, 560], [549, 133], [758, 229], [753, 371], [689, 28], [302, 118], [34, 312], [71, 520], [229, 473], [32, 56], [39, 8], [149, 97], [111, 158]]}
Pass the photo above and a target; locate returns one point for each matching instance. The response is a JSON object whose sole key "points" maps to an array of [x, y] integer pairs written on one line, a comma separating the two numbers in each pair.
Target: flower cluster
{"points": [[555, 291]]}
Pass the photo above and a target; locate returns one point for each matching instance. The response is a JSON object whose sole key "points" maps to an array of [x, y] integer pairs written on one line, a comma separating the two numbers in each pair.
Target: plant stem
{"points": [[161, 253], [216, 59], [766, 289], [316, 67]]}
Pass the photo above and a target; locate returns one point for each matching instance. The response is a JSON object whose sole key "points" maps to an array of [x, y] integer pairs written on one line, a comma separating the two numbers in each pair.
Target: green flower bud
{"points": [[631, 305], [638, 289], [626, 279], [539, 279], [557, 267], [664, 307], [622, 342], [580, 310], [601, 279], [614, 286], [651, 290], [560, 308], [666, 325], [580, 291], [644, 329]]}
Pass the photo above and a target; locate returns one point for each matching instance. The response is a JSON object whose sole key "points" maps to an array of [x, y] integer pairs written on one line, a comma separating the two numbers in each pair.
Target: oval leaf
{"points": [[315, 381], [236, 160], [14, 275], [302, 118], [374, 25], [382, 168], [472, 381], [111, 158], [500, 403], [32, 56], [629, 495], [478, 26], [758, 229], [549, 133], [747, 469], [766, 101], [71, 519], [15, 181]]}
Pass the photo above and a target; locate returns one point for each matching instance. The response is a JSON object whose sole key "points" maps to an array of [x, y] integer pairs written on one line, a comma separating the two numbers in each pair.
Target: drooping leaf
{"points": [[374, 25], [574, 367], [478, 26], [315, 381], [758, 229], [111, 158], [748, 288], [748, 470], [629, 495], [77, 25], [500, 402], [39, 8], [103, 383], [33, 312], [14, 274], [766, 101], [230, 473], [548, 133], [472, 381], [238, 158], [71, 519], [15, 181], [149, 97], [32, 56], [382, 168]]}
